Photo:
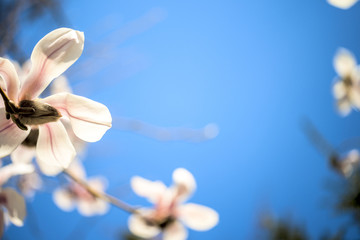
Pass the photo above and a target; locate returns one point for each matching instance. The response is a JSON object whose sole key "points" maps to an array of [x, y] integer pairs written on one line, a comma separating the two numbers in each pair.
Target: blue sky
{"points": [[255, 68]]}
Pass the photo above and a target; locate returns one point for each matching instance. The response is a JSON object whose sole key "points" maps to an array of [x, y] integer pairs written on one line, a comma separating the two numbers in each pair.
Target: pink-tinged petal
{"points": [[51, 56], [14, 169], [9, 80], [343, 4], [89, 119], [54, 151], [175, 231], [23, 154], [148, 189], [10, 135], [29, 184], [198, 217], [63, 199], [139, 227], [185, 183], [344, 63], [15, 206]]}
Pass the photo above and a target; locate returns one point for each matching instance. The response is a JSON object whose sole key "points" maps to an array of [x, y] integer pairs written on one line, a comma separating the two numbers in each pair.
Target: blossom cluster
{"points": [[54, 129]]}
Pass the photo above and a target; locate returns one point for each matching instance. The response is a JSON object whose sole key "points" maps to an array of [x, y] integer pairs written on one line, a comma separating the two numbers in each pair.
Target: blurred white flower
{"points": [[343, 4], [21, 109], [169, 212], [346, 90], [348, 164], [10, 201], [74, 195]]}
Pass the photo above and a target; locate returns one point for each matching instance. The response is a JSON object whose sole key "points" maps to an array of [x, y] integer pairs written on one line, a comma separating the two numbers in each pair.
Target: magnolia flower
{"points": [[169, 212], [346, 165], [74, 195], [24, 115], [347, 89], [343, 4], [10, 200]]}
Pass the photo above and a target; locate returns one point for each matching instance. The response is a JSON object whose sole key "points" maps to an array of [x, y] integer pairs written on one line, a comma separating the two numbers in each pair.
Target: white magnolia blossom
{"points": [[74, 195], [347, 89], [170, 213], [346, 165], [23, 112], [12, 204], [343, 4]]}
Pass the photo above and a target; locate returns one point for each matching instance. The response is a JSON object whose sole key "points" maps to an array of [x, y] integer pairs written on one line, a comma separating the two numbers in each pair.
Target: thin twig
{"points": [[104, 196]]}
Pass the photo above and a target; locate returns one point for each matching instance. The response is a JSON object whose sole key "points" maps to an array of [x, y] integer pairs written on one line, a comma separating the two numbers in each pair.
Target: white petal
{"points": [[149, 189], [98, 183], [54, 151], [14, 169], [86, 208], [15, 206], [139, 227], [9, 80], [344, 107], [175, 231], [184, 182], [51, 56], [91, 208], [343, 4], [10, 135], [89, 119], [344, 62], [23, 154], [339, 90], [354, 97], [198, 217], [62, 198]]}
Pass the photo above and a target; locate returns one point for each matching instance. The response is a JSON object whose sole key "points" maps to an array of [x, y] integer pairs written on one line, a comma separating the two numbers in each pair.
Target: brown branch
{"points": [[104, 196]]}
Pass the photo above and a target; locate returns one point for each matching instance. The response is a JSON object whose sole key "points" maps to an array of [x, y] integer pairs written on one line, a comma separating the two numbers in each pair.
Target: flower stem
{"points": [[104, 196]]}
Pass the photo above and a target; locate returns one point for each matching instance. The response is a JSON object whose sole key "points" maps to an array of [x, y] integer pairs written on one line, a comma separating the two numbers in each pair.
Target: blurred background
{"points": [[219, 88]]}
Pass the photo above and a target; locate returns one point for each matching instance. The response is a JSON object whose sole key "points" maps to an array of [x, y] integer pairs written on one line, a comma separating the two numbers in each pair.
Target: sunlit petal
{"points": [[344, 107], [344, 62], [54, 150], [10, 135], [339, 90], [343, 4], [23, 154], [175, 231], [139, 227], [14, 169], [62, 198], [184, 182], [152, 190], [198, 217], [9, 80], [15, 206], [354, 97], [98, 183], [51, 56], [89, 119]]}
